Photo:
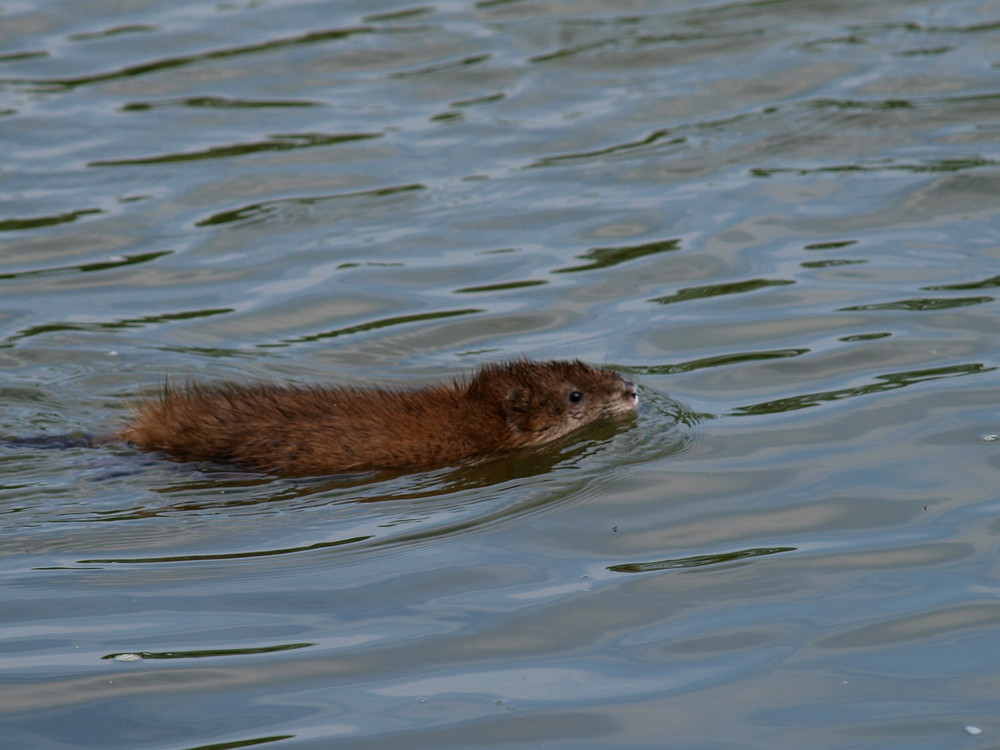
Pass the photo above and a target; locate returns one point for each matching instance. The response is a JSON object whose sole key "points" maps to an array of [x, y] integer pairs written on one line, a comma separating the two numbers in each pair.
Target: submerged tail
{"points": [[71, 440]]}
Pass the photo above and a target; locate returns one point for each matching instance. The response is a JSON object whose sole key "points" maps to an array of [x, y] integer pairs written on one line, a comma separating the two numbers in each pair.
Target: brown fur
{"points": [[312, 430]]}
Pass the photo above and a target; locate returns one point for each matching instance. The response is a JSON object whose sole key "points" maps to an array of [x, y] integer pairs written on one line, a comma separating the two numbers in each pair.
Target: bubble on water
{"points": [[128, 657], [973, 729], [989, 437]]}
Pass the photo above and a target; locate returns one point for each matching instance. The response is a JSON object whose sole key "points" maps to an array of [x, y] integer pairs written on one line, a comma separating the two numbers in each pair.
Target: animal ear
{"points": [[517, 408], [517, 400]]}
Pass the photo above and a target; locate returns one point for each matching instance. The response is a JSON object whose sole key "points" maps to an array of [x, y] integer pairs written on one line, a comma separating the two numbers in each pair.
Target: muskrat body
{"points": [[314, 430]]}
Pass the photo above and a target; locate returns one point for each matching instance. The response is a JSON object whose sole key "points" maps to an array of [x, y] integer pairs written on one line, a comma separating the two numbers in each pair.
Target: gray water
{"points": [[780, 217]]}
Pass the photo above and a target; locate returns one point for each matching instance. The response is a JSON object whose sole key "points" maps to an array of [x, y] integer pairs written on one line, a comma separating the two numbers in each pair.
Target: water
{"points": [[779, 217]]}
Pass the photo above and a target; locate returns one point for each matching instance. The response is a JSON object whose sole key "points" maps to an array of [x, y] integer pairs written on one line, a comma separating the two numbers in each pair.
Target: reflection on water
{"points": [[697, 561], [883, 383], [783, 212]]}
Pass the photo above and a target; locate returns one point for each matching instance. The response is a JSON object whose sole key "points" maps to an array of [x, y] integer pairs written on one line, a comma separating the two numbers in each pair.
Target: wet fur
{"points": [[312, 430]]}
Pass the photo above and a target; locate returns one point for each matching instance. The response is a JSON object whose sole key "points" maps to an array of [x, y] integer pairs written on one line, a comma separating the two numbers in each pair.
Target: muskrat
{"points": [[313, 430]]}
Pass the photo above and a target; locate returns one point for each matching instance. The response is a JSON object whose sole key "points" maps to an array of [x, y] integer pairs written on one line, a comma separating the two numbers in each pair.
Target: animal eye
{"points": [[576, 397]]}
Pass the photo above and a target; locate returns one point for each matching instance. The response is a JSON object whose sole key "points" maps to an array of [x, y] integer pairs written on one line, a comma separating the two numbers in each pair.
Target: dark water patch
{"points": [[830, 245], [724, 360], [921, 305], [224, 555], [446, 66], [873, 105], [975, 28], [718, 290], [484, 99], [155, 66], [86, 36], [395, 15], [217, 102], [885, 383], [831, 263], [687, 134], [660, 137], [375, 325], [607, 257], [864, 337], [990, 283], [34, 222], [19, 56], [370, 264], [250, 742], [950, 165], [885, 165], [641, 40], [896, 33], [500, 287], [212, 653], [290, 206], [926, 51], [146, 320], [566, 52], [697, 561], [281, 142], [628, 37], [123, 261]]}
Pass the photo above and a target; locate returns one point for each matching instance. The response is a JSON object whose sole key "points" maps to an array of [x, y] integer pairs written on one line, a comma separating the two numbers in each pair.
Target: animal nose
{"points": [[631, 393]]}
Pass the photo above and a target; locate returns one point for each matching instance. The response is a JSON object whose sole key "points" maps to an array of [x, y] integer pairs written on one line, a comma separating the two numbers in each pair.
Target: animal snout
{"points": [[630, 391]]}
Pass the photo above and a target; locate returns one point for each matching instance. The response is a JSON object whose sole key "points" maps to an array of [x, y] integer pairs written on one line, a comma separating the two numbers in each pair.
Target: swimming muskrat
{"points": [[312, 430]]}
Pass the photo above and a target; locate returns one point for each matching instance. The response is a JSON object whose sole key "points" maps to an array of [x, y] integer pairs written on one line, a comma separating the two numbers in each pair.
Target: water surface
{"points": [[779, 217]]}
